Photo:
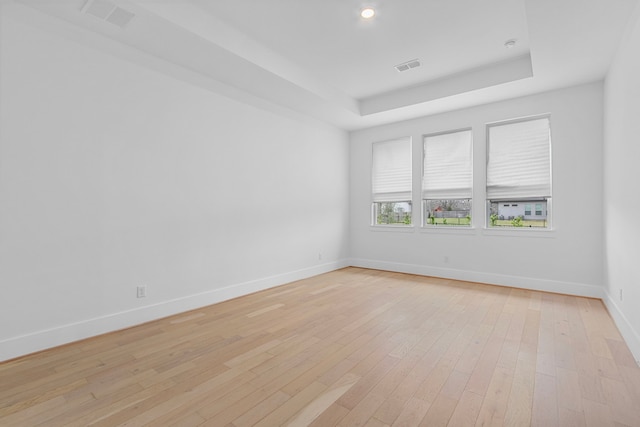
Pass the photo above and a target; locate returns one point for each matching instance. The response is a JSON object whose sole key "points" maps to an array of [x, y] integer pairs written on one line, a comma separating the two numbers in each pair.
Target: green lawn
{"points": [[529, 223], [525, 223], [450, 221]]}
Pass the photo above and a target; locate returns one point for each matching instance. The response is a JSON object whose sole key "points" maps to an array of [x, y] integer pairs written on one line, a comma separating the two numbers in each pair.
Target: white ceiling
{"points": [[330, 39], [322, 60]]}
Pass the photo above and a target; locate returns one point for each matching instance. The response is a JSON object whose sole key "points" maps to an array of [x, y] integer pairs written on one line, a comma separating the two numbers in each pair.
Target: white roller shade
{"points": [[392, 171], [447, 172], [519, 160]]}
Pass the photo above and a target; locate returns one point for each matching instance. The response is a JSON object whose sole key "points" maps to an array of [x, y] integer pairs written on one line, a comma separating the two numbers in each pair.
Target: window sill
{"points": [[393, 228], [443, 229], [519, 232]]}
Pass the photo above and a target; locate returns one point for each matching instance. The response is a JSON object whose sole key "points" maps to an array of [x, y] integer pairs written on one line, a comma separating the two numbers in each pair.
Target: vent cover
{"points": [[414, 63], [108, 11]]}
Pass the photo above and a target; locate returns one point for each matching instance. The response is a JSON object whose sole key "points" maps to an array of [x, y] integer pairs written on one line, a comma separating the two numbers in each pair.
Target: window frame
{"points": [[423, 201], [374, 203], [526, 199]]}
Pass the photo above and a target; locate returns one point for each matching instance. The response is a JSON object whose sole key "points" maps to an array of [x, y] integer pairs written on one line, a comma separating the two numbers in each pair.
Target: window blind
{"points": [[519, 160], [392, 171], [447, 172]]}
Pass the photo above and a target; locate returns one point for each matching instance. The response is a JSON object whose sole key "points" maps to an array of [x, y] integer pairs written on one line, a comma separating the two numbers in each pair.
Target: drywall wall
{"points": [[622, 187], [115, 175], [566, 259]]}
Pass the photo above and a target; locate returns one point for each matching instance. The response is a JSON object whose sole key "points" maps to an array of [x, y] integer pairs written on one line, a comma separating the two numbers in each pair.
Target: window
{"points": [[538, 209], [391, 182], [519, 170], [447, 179]]}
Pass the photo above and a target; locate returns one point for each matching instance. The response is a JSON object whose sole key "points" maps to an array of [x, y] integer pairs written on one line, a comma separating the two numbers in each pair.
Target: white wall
{"points": [[622, 187], [114, 175], [567, 259]]}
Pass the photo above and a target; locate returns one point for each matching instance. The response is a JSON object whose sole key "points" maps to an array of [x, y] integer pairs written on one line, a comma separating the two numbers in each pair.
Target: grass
{"points": [[533, 223], [526, 223], [450, 221]]}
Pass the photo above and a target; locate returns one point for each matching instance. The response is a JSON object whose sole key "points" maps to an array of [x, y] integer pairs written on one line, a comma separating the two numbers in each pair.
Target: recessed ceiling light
{"points": [[368, 13], [510, 43]]}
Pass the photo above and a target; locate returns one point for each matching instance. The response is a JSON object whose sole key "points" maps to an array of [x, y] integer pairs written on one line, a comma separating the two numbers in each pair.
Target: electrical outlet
{"points": [[620, 294], [142, 291], [319, 256], [446, 259]]}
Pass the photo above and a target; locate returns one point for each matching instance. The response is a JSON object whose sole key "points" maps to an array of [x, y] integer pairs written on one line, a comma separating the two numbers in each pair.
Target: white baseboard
{"points": [[521, 282], [630, 335], [53, 337]]}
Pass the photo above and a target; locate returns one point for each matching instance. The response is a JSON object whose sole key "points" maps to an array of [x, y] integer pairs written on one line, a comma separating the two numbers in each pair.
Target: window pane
{"points": [[517, 215], [538, 209], [449, 212], [392, 213]]}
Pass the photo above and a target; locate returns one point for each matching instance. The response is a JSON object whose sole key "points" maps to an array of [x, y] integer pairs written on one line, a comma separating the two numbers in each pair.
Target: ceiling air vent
{"points": [[108, 11], [414, 63]]}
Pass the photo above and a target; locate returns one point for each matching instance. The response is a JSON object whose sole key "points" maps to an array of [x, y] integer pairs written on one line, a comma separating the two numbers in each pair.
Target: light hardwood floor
{"points": [[352, 347]]}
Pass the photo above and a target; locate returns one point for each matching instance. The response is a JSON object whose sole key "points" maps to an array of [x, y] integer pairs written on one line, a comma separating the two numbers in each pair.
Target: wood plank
{"points": [[313, 410], [331, 416], [363, 411], [545, 402], [624, 407], [494, 406], [521, 395], [568, 388], [293, 406], [412, 413], [262, 409], [467, 410], [597, 414], [265, 310], [439, 412]]}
